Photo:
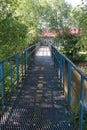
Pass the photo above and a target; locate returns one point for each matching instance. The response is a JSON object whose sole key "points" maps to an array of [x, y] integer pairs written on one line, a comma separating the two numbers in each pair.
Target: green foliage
{"points": [[85, 121], [18, 29], [59, 18], [84, 69], [18, 25], [12, 36], [79, 20], [69, 18], [76, 111], [71, 44]]}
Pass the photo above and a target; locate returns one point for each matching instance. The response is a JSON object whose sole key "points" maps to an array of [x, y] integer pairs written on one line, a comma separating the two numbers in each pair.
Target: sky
{"points": [[74, 2]]}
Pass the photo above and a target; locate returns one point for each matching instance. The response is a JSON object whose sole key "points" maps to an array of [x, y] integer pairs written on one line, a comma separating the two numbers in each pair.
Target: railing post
{"points": [[57, 60], [27, 57], [61, 70], [22, 65], [69, 83], [54, 55], [24, 61], [30, 55], [52, 50], [81, 102], [11, 74], [2, 85], [17, 68]]}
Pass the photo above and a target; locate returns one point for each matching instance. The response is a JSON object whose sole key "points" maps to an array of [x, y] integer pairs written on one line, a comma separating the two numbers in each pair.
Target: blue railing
{"points": [[65, 70], [12, 70]]}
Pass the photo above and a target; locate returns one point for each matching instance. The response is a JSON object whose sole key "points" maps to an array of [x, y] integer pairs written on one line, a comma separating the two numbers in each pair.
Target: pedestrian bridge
{"points": [[33, 96]]}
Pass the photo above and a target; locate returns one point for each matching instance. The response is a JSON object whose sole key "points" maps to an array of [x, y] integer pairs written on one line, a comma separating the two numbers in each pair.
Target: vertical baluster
{"points": [[17, 68], [22, 65], [11, 74], [52, 51], [81, 102], [54, 55], [57, 59], [61, 70], [32, 51], [27, 58], [2, 85], [30, 55], [69, 83], [24, 61]]}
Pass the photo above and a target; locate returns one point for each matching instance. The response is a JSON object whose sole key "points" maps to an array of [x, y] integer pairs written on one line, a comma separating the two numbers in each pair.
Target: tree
{"points": [[18, 25], [80, 16], [12, 32]]}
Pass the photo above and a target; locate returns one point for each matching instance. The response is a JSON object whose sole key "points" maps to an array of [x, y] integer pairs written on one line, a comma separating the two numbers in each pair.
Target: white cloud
{"points": [[74, 2]]}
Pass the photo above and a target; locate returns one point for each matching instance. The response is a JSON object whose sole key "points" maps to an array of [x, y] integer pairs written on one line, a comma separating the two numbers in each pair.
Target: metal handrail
{"points": [[60, 60], [12, 70]]}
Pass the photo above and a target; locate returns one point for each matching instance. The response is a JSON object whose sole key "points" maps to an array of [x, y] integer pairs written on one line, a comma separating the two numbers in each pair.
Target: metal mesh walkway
{"points": [[39, 103]]}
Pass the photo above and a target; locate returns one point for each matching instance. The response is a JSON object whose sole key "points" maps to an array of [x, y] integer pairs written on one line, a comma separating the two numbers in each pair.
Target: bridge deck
{"points": [[39, 104]]}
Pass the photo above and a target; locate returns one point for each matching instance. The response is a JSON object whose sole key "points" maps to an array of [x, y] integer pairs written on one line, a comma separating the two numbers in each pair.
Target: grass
{"points": [[76, 110]]}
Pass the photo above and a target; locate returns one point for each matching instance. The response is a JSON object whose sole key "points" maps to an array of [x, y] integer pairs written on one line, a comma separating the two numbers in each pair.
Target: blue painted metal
{"points": [[22, 62], [2, 85], [25, 61], [11, 74], [30, 55], [59, 60], [69, 83], [39, 107], [15, 62], [63, 59], [27, 58], [56, 59], [17, 68], [61, 70], [81, 102]]}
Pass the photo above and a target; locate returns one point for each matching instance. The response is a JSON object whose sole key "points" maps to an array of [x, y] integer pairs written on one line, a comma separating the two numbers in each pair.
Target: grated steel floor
{"points": [[39, 104]]}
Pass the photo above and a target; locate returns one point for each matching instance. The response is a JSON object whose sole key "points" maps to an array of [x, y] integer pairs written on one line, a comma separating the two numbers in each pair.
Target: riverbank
{"points": [[80, 59]]}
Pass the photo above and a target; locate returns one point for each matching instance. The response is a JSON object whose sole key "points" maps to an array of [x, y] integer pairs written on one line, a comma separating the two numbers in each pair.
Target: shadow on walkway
{"points": [[40, 103]]}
